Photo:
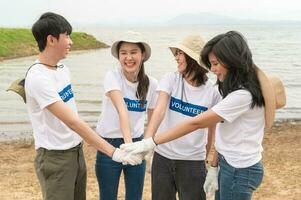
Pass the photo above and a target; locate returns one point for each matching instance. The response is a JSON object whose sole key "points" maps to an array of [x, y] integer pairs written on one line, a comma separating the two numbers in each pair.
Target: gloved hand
{"points": [[126, 157], [211, 182], [142, 147], [148, 155]]}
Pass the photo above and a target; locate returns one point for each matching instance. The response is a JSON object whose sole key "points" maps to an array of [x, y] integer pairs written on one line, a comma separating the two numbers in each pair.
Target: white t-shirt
{"points": [[108, 125], [43, 87], [240, 136], [185, 102]]}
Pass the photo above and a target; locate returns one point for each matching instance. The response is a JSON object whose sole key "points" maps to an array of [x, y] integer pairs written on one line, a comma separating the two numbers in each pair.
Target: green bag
{"points": [[18, 85]]}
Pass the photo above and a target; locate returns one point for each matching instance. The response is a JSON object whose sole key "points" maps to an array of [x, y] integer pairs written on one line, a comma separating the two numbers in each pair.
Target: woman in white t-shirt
{"points": [[179, 166], [128, 95], [248, 106]]}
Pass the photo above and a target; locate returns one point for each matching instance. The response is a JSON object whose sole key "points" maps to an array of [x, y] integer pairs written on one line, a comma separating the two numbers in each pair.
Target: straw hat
{"points": [[192, 46], [273, 93], [18, 87], [131, 37]]}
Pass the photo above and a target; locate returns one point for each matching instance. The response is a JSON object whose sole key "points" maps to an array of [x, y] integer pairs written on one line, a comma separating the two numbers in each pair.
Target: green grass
{"points": [[83, 41], [16, 42]]}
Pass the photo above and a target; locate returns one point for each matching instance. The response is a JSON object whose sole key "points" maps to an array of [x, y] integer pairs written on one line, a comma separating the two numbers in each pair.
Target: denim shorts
{"points": [[237, 183]]}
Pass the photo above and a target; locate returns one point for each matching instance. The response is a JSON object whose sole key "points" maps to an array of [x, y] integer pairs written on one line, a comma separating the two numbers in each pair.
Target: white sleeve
{"points": [[216, 96], [153, 94], [42, 90], [234, 105], [166, 83], [68, 71], [111, 82]]}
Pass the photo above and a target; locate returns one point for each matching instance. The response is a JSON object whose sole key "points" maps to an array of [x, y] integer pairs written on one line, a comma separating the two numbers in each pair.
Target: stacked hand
{"points": [[126, 158], [211, 182], [143, 148]]}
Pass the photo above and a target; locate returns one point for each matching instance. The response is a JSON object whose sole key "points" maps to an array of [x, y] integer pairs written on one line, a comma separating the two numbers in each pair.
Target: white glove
{"points": [[211, 182], [148, 155], [126, 157], [142, 147]]}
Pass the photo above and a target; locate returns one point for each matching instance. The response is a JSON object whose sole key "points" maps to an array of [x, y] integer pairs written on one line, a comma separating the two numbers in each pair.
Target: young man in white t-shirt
{"points": [[57, 129]]}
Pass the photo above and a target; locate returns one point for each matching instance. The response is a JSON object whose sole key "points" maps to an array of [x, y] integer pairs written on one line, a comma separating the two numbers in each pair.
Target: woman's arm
{"points": [[150, 113], [210, 140], [214, 161], [117, 100], [203, 120], [157, 115]]}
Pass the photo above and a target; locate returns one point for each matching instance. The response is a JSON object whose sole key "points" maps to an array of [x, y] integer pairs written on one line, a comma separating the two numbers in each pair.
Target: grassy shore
{"points": [[17, 42]]}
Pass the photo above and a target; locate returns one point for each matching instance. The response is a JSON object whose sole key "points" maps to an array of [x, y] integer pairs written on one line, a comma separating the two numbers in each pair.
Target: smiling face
{"points": [[217, 68], [62, 45], [130, 57], [181, 60]]}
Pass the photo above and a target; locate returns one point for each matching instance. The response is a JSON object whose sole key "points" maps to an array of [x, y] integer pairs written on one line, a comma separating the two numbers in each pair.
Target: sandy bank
{"points": [[282, 162]]}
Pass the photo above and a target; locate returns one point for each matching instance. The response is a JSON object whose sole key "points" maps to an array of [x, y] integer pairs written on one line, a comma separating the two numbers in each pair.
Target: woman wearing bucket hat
{"points": [[179, 166], [248, 106], [129, 95]]}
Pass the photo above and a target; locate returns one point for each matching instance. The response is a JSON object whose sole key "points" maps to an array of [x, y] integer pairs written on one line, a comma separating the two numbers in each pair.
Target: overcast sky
{"points": [[20, 13]]}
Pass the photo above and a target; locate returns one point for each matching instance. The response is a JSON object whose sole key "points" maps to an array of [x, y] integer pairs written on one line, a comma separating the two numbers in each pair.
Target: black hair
{"points": [[199, 73], [143, 80], [232, 51], [49, 24]]}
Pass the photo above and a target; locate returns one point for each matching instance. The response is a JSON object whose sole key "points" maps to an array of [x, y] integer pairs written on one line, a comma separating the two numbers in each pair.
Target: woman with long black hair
{"points": [[129, 96]]}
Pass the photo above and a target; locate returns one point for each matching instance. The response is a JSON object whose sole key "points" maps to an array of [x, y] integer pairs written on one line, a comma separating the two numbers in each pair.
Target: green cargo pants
{"points": [[62, 173]]}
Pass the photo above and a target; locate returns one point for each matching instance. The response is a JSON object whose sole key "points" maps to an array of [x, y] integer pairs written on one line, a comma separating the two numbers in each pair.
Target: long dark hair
{"points": [[199, 73], [232, 51], [143, 80]]}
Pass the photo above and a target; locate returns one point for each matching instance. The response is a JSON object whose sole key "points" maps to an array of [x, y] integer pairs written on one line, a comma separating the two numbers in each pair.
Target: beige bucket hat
{"points": [[192, 45], [273, 93], [132, 37]]}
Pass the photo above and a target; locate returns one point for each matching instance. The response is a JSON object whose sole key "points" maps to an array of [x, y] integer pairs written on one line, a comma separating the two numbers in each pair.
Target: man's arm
{"points": [[66, 115]]}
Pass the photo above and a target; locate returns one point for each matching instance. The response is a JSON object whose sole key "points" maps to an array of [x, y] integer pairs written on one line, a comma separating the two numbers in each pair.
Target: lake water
{"points": [[276, 49]]}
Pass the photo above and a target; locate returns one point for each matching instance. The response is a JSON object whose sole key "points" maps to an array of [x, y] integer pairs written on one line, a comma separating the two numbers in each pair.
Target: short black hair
{"points": [[49, 24]]}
